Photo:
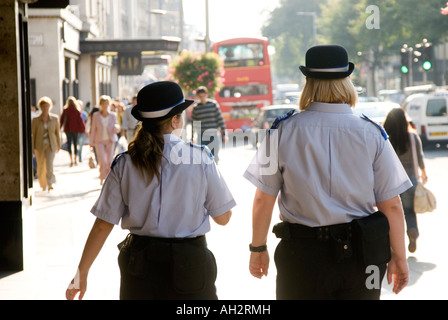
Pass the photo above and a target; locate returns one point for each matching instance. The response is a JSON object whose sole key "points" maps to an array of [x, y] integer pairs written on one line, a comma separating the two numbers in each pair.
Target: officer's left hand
{"points": [[259, 264]]}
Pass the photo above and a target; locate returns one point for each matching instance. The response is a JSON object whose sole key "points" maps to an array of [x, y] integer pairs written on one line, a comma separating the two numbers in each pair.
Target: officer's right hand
{"points": [[259, 264], [76, 287]]}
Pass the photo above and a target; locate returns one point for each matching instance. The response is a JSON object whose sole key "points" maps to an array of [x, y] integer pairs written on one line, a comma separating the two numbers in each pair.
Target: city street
{"points": [[428, 265], [60, 222]]}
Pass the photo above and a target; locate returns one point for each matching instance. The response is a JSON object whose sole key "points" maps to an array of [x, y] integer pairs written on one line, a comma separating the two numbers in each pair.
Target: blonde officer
{"points": [[338, 183], [163, 190]]}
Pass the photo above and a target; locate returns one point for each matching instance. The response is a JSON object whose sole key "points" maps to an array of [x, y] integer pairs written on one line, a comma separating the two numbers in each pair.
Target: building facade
{"points": [[61, 48], [61, 68]]}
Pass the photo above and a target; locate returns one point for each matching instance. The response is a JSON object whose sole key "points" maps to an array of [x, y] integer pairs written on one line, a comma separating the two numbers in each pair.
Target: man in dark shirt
{"points": [[207, 120]]}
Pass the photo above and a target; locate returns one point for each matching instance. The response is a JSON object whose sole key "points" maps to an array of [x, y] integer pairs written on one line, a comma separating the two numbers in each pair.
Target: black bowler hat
{"points": [[159, 100], [327, 62]]}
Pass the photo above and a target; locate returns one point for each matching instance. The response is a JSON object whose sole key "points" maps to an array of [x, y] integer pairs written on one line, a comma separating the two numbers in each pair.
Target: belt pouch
{"points": [[282, 231], [374, 238], [132, 260], [189, 266], [341, 242]]}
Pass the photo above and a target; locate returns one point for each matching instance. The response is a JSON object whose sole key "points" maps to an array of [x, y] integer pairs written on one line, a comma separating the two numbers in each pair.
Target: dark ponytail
{"points": [[146, 149]]}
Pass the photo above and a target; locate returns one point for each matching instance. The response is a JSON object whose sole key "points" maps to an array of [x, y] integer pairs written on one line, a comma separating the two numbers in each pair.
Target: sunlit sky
{"points": [[229, 18]]}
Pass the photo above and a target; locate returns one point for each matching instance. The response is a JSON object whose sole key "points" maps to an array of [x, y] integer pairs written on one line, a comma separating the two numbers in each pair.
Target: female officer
{"points": [[163, 190], [332, 171]]}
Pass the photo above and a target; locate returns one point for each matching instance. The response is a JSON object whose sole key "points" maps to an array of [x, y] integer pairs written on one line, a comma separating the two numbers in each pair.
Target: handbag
{"points": [[92, 163], [65, 147], [424, 199]]}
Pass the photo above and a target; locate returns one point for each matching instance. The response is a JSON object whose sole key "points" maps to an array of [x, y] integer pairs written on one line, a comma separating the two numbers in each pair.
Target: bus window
{"points": [[242, 55], [436, 108], [244, 91]]}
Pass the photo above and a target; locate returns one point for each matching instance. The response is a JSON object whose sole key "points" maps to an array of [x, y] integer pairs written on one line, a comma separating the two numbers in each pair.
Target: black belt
{"points": [[134, 239], [161, 249], [286, 230]]}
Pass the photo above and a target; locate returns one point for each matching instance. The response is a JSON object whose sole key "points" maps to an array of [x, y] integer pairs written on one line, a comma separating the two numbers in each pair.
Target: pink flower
{"points": [[444, 11]]}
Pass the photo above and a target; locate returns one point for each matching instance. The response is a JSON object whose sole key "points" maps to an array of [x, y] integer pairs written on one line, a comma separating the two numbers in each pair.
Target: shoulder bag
{"points": [[424, 199]]}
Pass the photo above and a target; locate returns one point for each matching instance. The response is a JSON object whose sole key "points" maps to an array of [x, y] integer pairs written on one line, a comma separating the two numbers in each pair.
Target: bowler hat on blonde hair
{"points": [[159, 100], [327, 62]]}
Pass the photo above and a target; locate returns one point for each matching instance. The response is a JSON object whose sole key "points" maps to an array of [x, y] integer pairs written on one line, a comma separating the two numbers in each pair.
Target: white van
{"points": [[429, 115]]}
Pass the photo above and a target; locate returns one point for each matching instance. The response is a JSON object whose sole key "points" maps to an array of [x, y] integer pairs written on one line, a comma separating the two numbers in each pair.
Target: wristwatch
{"points": [[257, 249]]}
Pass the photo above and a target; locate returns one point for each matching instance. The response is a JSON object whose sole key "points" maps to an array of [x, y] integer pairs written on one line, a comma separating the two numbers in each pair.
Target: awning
{"points": [[50, 4], [143, 46]]}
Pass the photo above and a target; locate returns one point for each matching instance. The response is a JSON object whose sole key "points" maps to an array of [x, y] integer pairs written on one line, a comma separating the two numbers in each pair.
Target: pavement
{"points": [[58, 223], [55, 230]]}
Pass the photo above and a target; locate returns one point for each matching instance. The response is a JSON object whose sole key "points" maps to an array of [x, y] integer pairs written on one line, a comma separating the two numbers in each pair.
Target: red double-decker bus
{"points": [[247, 80]]}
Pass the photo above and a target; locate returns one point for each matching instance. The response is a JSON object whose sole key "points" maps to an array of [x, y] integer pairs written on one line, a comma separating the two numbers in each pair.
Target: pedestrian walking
{"points": [[82, 136], [206, 112], [338, 180], [400, 133], [46, 142], [71, 120], [103, 135], [128, 122], [163, 190]]}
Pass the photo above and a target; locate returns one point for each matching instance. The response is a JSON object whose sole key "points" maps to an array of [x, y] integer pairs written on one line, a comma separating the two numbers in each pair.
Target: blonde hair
{"points": [[45, 100], [72, 101], [328, 91], [104, 99]]}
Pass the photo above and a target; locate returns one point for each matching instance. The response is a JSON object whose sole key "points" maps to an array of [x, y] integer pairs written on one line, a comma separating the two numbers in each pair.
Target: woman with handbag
{"points": [[71, 120], [405, 142], [46, 142], [103, 135]]}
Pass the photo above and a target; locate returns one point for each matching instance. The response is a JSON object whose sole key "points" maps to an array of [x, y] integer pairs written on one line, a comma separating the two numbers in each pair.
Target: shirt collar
{"points": [[170, 137], [330, 107]]}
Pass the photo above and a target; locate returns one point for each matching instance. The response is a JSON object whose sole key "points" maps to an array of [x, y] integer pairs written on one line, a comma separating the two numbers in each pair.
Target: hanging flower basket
{"points": [[193, 69]]}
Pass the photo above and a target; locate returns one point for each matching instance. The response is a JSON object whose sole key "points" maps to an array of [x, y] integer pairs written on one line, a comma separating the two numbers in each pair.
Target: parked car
{"points": [[265, 119], [376, 111]]}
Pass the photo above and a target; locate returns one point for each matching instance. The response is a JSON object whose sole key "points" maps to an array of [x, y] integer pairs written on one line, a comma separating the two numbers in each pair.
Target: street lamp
{"points": [[206, 38], [207, 28], [181, 20], [313, 15]]}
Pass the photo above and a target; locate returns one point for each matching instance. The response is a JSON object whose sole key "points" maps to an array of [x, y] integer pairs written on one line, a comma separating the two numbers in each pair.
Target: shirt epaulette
{"points": [[277, 121], [383, 132], [117, 157], [203, 147]]}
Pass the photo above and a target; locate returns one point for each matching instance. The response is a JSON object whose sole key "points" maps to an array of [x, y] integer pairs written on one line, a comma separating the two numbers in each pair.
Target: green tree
{"points": [[291, 34], [399, 22], [344, 22], [334, 24], [192, 70]]}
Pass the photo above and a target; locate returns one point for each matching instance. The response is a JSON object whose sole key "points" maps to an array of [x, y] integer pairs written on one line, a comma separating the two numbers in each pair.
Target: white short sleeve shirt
{"points": [[328, 166], [191, 190]]}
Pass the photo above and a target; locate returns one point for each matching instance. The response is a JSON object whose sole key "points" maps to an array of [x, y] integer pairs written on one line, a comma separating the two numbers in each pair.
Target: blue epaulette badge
{"points": [[383, 132], [277, 121], [203, 147], [117, 157]]}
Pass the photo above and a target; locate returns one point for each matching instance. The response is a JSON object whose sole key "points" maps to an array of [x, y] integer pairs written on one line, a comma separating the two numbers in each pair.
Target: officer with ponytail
{"points": [[163, 190]]}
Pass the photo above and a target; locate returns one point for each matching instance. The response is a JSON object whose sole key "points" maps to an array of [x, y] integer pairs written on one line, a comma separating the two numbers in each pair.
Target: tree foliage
{"points": [[193, 69], [291, 34], [344, 22]]}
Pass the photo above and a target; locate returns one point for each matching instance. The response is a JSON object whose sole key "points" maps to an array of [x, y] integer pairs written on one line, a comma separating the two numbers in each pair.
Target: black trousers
{"points": [[167, 269], [310, 268]]}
